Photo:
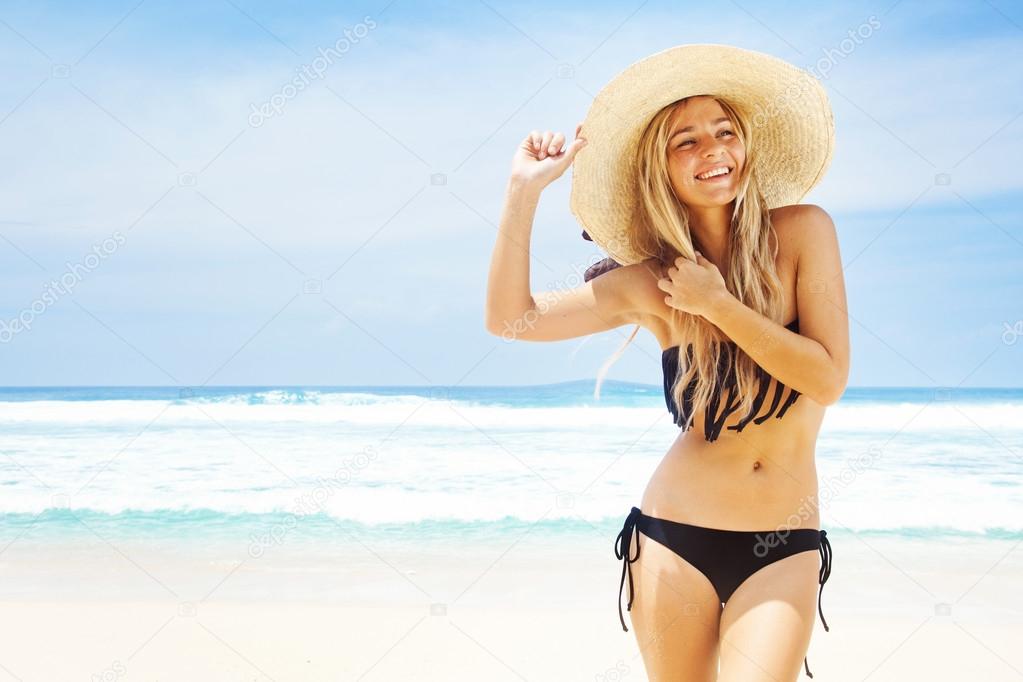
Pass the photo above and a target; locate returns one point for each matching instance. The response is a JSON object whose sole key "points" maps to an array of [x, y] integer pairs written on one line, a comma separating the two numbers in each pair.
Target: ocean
{"points": [[262, 465]]}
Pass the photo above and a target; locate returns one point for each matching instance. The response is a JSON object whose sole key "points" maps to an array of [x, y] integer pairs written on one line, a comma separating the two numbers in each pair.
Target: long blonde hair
{"points": [[662, 230]]}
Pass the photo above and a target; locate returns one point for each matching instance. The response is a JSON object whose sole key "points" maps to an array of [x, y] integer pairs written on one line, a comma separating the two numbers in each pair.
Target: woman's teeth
{"points": [[713, 174]]}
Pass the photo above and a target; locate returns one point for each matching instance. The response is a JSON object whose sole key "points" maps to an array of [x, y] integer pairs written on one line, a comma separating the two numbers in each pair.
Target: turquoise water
{"points": [[448, 463], [572, 393]]}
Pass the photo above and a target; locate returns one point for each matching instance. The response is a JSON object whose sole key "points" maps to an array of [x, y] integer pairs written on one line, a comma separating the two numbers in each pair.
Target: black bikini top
{"points": [[712, 425]]}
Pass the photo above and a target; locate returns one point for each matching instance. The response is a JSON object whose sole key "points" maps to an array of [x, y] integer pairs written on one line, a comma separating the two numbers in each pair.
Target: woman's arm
{"points": [[815, 361], [508, 292], [512, 311]]}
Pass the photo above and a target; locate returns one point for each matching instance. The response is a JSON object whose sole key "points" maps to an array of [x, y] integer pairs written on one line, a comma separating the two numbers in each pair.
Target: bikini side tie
{"points": [[825, 572], [623, 543]]}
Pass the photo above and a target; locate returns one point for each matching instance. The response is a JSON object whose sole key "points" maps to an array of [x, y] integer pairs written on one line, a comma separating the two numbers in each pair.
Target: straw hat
{"points": [[787, 108]]}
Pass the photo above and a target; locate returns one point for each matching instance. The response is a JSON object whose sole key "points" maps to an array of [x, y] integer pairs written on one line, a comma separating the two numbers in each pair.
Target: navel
{"points": [[756, 465]]}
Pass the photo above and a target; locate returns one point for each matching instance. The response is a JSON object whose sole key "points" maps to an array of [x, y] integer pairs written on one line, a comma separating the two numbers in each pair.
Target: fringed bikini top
{"points": [[712, 424]]}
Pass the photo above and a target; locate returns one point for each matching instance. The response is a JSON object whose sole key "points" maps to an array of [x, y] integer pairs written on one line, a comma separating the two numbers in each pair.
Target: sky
{"points": [[252, 193]]}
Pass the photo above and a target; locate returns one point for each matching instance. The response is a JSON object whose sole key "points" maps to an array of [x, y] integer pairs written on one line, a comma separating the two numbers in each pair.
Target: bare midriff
{"points": [[762, 478]]}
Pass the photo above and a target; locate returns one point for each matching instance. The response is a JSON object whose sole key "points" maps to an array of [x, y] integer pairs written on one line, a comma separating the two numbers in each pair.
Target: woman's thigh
{"points": [[675, 616], [767, 623]]}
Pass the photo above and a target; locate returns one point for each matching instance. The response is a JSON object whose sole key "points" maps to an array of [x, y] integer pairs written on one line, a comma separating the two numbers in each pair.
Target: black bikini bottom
{"points": [[726, 557]]}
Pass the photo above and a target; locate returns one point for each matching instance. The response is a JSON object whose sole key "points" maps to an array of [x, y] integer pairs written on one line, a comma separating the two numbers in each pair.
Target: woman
{"points": [[696, 158]]}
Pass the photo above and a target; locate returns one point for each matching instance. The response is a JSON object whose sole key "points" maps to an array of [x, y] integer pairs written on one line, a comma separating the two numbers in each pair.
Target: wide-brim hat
{"points": [[788, 110]]}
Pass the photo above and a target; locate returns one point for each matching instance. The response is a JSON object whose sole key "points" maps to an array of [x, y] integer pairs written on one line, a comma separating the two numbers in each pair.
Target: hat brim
{"points": [[787, 107]]}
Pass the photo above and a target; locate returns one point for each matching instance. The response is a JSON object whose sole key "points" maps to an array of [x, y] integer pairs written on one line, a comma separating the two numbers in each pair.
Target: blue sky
{"points": [[312, 247]]}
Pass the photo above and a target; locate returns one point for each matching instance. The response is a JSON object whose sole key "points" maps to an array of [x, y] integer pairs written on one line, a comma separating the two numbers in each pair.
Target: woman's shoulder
{"points": [[797, 225], [635, 285], [644, 278], [647, 297], [797, 219]]}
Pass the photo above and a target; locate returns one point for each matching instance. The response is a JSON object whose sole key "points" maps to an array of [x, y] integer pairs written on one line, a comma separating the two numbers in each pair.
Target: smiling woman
{"points": [[690, 188]]}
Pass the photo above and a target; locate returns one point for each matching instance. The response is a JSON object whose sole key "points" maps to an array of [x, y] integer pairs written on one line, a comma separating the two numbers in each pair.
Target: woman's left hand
{"points": [[694, 287]]}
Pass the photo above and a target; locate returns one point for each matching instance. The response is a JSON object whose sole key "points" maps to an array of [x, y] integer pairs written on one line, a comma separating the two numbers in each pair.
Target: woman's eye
{"points": [[685, 142]]}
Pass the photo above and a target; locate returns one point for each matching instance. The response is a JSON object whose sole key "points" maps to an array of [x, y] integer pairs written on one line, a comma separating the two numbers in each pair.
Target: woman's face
{"points": [[702, 138]]}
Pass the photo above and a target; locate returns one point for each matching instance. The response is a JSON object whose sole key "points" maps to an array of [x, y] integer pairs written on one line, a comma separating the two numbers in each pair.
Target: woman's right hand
{"points": [[543, 157]]}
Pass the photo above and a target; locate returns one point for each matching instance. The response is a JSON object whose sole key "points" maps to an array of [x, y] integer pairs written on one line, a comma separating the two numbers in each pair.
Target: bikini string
{"points": [[825, 572], [623, 543]]}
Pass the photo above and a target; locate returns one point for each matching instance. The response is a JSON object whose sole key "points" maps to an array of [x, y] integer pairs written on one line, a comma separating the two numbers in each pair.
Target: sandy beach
{"points": [[535, 610]]}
